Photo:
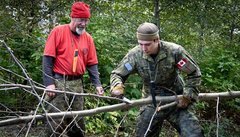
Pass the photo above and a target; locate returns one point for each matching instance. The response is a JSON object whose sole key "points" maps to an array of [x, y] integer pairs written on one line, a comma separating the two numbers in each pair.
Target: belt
{"points": [[163, 93], [67, 77]]}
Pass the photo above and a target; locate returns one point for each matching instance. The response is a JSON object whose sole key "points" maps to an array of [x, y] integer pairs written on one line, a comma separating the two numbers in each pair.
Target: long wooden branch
{"points": [[222, 95], [115, 107], [14, 86], [202, 96]]}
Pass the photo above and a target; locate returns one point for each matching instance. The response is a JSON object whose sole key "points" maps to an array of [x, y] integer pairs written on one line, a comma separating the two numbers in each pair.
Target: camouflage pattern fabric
{"points": [[165, 70], [183, 120], [64, 102]]}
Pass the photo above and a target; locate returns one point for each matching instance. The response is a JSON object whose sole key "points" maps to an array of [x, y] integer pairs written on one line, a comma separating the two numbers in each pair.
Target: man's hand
{"points": [[117, 91], [183, 101], [100, 91], [49, 93]]}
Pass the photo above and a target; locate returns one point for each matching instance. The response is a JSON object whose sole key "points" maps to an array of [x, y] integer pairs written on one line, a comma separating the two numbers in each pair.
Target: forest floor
{"points": [[21, 131], [39, 130], [35, 131]]}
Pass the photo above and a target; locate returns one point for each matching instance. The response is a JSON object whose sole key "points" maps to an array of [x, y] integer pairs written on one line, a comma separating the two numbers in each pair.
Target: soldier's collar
{"points": [[160, 56], [162, 53]]}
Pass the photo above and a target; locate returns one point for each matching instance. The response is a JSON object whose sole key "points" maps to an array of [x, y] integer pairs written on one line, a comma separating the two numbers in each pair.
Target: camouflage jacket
{"points": [[164, 70]]}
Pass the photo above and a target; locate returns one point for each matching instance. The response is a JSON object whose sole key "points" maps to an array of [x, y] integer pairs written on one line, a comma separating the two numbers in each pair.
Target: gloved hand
{"points": [[100, 90], [117, 91], [183, 101]]}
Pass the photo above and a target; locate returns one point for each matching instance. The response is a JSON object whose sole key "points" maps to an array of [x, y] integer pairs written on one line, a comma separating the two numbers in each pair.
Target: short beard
{"points": [[79, 30]]}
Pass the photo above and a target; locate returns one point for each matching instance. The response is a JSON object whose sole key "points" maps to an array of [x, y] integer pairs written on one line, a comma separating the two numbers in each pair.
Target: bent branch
{"points": [[172, 100]]}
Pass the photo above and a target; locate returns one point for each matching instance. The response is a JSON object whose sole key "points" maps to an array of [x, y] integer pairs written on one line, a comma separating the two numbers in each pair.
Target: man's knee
{"points": [[143, 122], [192, 129]]}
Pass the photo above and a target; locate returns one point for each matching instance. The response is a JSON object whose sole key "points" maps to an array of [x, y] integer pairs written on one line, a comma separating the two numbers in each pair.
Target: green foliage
{"points": [[221, 70], [224, 130], [207, 29], [108, 123], [133, 87]]}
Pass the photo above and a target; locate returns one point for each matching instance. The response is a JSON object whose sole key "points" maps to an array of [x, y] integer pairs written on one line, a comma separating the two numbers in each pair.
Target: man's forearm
{"points": [[94, 75], [48, 70]]}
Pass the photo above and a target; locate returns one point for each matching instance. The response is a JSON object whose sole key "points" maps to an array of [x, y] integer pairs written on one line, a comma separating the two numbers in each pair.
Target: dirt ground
{"points": [[35, 131], [21, 131], [40, 131]]}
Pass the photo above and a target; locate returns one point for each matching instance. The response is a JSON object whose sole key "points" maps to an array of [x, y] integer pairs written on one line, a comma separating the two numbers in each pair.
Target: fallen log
{"points": [[115, 107]]}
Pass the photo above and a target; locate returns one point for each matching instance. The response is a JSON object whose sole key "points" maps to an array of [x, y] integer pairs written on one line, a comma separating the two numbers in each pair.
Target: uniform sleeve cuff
{"points": [[191, 93]]}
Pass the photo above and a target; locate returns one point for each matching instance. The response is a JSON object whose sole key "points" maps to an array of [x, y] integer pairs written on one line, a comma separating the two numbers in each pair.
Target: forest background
{"points": [[208, 29]]}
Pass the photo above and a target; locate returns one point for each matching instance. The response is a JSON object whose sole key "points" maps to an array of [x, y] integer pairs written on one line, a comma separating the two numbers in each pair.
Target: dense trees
{"points": [[209, 29]]}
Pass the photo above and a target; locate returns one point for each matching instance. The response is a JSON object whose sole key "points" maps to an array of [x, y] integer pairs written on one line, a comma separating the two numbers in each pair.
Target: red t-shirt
{"points": [[61, 44]]}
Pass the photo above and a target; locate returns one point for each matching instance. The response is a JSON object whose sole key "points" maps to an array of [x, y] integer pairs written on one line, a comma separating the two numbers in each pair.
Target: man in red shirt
{"points": [[68, 52]]}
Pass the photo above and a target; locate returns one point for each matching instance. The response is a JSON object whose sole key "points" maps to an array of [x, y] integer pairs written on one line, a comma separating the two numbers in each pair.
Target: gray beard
{"points": [[79, 31]]}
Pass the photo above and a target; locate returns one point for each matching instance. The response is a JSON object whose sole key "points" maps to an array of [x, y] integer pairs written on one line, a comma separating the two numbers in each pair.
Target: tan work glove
{"points": [[100, 90], [183, 102], [117, 91]]}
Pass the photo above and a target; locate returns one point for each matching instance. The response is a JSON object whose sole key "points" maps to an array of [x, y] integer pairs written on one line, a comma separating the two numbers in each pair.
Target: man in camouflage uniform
{"points": [[159, 64]]}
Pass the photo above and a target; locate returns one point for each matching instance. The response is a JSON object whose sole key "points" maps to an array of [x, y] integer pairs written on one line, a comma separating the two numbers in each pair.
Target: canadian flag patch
{"points": [[186, 65], [181, 63]]}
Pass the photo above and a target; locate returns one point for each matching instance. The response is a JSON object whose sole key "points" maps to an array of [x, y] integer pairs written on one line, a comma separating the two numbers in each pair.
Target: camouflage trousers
{"points": [[67, 127], [183, 120]]}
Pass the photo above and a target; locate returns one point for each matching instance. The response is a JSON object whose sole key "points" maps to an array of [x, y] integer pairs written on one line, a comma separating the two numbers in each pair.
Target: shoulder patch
{"points": [[128, 66], [186, 65]]}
